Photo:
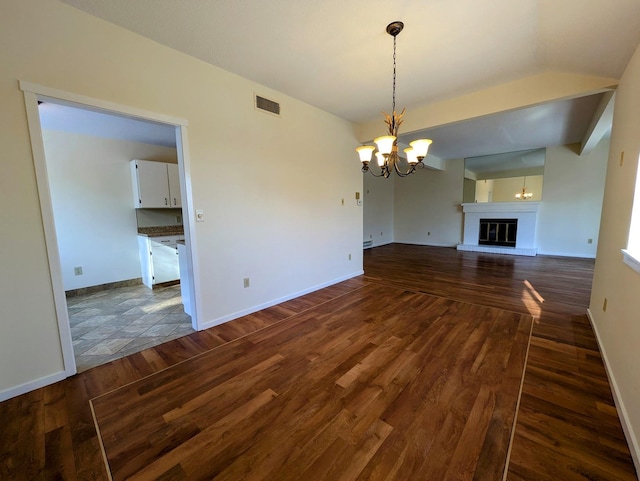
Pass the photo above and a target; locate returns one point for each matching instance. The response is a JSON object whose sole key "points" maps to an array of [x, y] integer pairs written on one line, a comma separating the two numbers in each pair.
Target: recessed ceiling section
{"points": [[557, 123], [524, 162]]}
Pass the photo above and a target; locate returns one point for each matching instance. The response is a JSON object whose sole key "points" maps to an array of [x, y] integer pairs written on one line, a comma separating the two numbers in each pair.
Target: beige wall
{"points": [[270, 213], [618, 327], [427, 206], [504, 190], [572, 200], [378, 209]]}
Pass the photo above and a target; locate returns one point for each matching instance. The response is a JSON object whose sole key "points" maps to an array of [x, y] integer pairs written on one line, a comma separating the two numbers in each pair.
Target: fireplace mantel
{"points": [[526, 212]]}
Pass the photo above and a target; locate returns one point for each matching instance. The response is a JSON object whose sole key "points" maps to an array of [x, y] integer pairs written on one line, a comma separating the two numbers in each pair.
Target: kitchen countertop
{"points": [[161, 230]]}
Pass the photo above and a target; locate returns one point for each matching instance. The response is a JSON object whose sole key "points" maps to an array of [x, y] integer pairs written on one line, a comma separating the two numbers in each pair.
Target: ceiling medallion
{"points": [[387, 154]]}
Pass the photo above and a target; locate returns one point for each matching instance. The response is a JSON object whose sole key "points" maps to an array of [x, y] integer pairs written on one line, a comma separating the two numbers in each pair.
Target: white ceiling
{"points": [[336, 55]]}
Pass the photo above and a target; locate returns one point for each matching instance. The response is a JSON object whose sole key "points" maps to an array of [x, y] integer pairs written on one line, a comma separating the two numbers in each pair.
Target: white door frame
{"points": [[33, 93]]}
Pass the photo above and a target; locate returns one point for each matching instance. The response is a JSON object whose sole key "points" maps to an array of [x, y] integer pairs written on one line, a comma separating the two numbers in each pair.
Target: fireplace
{"points": [[500, 227], [498, 232]]}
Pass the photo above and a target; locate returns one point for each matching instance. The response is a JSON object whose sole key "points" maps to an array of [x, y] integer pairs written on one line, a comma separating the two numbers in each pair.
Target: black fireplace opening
{"points": [[498, 232]]}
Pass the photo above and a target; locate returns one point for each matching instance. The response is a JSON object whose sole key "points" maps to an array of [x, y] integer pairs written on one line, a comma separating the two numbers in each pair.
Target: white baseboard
{"points": [[259, 307], [428, 244], [632, 440], [31, 385], [515, 251], [566, 254], [379, 244]]}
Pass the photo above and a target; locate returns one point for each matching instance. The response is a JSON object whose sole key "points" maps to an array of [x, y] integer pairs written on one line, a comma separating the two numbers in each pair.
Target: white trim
{"points": [[259, 307], [631, 260], [491, 207], [32, 93], [100, 104], [428, 244], [632, 440], [514, 251], [51, 238], [31, 385], [566, 254], [188, 218]]}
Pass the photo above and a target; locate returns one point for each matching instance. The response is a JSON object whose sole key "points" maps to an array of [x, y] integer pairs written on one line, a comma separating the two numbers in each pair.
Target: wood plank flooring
{"points": [[326, 394], [567, 427]]}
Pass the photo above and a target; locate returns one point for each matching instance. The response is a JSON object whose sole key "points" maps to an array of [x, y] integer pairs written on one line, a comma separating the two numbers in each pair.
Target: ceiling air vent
{"points": [[267, 105]]}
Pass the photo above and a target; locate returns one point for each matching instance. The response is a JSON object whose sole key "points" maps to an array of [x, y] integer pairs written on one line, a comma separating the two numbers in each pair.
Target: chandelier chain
{"points": [[393, 109]]}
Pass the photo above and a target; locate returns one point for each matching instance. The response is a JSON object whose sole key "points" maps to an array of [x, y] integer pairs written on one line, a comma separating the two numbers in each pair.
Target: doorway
{"points": [[152, 303]]}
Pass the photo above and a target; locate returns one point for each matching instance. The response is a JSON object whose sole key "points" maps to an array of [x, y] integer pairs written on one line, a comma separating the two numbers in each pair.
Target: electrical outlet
{"points": [[77, 271], [247, 282], [349, 256], [342, 202], [589, 241], [428, 233], [604, 305]]}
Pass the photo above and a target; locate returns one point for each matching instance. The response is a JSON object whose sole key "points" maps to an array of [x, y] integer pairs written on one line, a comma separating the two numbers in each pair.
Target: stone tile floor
{"points": [[111, 324]]}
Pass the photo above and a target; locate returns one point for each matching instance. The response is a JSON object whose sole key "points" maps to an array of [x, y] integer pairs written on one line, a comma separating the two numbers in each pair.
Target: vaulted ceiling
{"points": [[336, 55]]}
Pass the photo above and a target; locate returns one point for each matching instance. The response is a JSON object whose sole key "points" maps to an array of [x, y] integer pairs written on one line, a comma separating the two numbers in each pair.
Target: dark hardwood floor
{"points": [[407, 372]]}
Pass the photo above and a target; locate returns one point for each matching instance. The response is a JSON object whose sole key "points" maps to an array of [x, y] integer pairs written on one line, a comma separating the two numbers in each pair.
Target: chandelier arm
{"points": [[404, 174], [381, 174]]}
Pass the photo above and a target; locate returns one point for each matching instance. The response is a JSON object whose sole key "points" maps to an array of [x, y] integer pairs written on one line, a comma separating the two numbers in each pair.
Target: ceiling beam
{"points": [[534, 90], [600, 123]]}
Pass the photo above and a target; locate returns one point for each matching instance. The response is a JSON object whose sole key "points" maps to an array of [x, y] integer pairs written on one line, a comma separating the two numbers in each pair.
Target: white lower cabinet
{"points": [[159, 259], [185, 286]]}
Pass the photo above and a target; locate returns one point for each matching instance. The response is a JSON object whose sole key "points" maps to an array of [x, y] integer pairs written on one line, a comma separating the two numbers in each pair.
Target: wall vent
{"points": [[267, 105], [367, 243]]}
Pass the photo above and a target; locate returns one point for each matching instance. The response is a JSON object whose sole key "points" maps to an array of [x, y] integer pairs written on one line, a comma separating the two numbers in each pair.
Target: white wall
{"points": [[572, 200], [618, 327], [428, 202], [378, 209], [427, 206], [92, 197], [270, 213]]}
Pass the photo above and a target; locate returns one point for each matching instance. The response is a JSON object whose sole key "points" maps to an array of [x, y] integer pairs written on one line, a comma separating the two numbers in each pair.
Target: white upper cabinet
{"points": [[174, 185], [155, 184]]}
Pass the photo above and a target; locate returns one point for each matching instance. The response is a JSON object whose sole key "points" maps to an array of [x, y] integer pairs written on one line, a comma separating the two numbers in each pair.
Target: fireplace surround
{"points": [[525, 214]]}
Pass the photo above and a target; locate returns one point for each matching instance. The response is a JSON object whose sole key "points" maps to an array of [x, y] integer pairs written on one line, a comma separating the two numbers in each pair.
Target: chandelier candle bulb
{"points": [[421, 147], [380, 158], [385, 144], [411, 155], [365, 152]]}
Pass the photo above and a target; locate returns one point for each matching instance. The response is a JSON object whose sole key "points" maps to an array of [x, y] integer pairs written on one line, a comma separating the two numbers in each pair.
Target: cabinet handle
{"points": [[175, 202], [166, 201]]}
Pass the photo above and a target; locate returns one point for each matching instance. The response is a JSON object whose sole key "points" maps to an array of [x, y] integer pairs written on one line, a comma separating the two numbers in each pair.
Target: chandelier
{"points": [[387, 154], [524, 195]]}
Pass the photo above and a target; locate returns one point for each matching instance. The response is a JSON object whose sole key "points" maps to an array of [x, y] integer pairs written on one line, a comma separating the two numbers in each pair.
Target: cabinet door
{"points": [[174, 185], [153, 186], [165, 262]]}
